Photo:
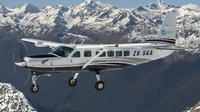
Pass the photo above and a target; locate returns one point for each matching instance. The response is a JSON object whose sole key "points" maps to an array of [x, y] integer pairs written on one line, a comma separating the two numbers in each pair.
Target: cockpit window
{"points": [[62, 51]]}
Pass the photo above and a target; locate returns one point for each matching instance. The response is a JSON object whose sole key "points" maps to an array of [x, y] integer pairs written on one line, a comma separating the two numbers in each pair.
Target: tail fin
{"points": [[167, 31], [168, 27]]}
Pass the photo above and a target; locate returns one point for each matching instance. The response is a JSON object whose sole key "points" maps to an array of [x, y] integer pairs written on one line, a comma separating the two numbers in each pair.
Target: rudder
{"points": [[168, 27]]}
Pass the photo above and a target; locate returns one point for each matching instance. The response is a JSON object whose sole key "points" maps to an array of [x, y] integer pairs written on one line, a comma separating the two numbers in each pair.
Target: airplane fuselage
{"points": [[116, 56]]}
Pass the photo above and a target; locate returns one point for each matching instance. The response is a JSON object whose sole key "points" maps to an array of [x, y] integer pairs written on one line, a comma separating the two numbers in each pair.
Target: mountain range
{"points": [[95, 21]]}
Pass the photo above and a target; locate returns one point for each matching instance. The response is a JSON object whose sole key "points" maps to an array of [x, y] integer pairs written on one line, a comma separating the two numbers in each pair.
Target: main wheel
{"points": [[34, 88], [99, 85], [72, 82]]}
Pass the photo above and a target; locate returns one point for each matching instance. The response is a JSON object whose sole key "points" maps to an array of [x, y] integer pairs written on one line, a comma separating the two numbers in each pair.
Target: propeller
{"points": [[14, 66], [19, 54], [18, 59], [22, 49]]}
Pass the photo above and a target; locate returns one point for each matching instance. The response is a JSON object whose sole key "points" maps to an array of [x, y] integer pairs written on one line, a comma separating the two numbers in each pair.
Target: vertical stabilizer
{"points": [[167, 31], [168, 27]]}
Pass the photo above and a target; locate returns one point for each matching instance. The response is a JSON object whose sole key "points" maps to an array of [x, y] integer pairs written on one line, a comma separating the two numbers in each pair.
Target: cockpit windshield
{"points": [[62, 51]]}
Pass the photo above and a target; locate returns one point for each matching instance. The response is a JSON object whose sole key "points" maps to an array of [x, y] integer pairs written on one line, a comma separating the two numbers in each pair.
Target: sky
{"points": [[117, 3]]}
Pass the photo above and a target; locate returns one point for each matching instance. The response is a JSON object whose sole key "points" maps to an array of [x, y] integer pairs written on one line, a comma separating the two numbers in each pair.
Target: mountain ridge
{"points": [[98, 21]]}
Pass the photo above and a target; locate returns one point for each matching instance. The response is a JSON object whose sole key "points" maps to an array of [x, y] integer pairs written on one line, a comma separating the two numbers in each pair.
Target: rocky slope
{"points": [[12, 100], [196, 108]]}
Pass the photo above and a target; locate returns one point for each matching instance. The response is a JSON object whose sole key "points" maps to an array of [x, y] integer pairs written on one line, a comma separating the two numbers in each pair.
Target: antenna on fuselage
{"points": [[74, 41], [82, 41]]}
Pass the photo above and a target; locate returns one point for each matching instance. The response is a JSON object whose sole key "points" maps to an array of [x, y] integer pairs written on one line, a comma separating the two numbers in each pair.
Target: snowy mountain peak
{"points": [[12, 100], [85, 3], [88, 1], [59, 6], [29, 8], [24, 9], [160, 5], [3, 9], [88, 4], [191, 7]]}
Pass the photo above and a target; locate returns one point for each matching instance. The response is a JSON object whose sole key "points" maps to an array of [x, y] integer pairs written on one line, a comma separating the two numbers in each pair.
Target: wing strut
{"points": [[91, 60], [102, 50]]}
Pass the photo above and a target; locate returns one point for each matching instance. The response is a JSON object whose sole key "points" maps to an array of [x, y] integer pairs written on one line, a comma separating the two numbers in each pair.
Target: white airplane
{"points": [[99, 57]]}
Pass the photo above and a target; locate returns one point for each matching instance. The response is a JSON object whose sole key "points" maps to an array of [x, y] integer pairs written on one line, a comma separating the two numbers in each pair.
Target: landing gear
{"points": [[34, 87], [99, 85], [73, 80]]}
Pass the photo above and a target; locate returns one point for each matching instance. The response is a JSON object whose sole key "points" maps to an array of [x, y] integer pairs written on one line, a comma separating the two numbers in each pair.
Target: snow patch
{"points": [[12, 100]]}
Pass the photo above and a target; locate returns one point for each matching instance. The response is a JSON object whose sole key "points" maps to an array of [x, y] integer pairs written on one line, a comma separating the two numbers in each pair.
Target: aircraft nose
{"points": [[21, 64]]}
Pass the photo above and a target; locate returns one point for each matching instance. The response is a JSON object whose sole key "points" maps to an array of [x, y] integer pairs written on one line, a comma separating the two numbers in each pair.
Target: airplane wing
{"points": [[42, 43]]}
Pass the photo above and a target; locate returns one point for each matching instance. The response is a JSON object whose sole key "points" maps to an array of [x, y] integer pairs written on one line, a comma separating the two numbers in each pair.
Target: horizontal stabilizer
{"points": [[161, 40], [167, 47]]}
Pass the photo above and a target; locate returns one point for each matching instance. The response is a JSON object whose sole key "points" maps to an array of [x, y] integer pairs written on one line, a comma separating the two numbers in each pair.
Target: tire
{"points": [[72, 82], [34, 89], [99, 85]]}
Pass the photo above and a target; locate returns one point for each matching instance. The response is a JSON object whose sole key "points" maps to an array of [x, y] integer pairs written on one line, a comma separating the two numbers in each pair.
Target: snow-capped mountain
{"points": [[97, 21], [13, 100], [3, 9], [196, 108]]}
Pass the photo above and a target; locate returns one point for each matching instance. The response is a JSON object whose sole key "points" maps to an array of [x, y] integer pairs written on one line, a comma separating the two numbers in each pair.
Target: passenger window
{"points": [[126, 53], [77, 54], [102, 55], [87, 53], [118, 53], [110, 53]]}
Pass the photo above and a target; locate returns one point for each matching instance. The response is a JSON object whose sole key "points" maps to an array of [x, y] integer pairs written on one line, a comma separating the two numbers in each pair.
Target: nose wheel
{"points": [[34, 87]]}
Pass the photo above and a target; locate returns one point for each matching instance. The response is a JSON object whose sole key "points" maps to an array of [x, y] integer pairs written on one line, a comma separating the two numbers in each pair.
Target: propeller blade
{"points": [[18, 55], [14, 67], [28, 77], [22, 49]]}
